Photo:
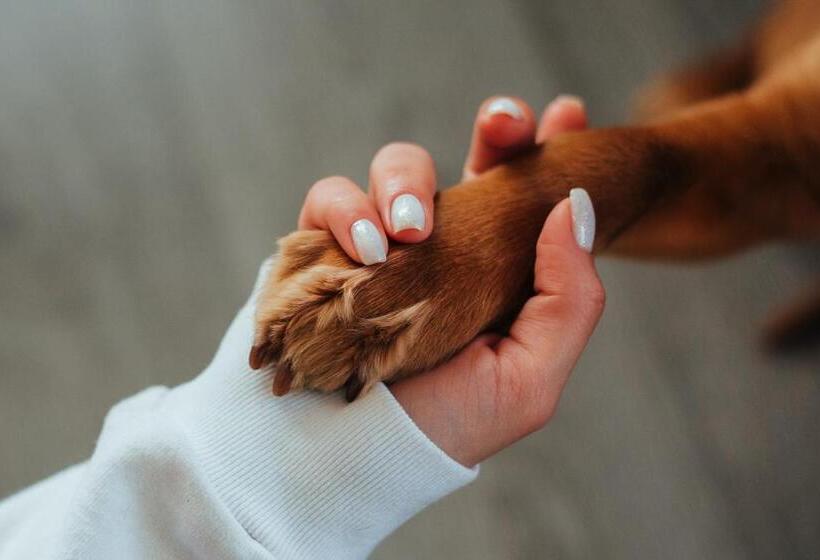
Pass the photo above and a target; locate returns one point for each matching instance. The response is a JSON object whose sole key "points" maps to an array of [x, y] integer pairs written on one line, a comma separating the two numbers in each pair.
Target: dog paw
{"points": [[324, 322]]}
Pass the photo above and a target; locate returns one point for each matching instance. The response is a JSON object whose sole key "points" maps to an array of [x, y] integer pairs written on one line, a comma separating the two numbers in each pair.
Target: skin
{"points": [[497, 390]]}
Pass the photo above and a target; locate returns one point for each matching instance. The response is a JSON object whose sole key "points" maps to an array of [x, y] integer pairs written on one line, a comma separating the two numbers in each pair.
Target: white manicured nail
{"points": [[368, 242], [583, 219], [505, 106], [406, 213]]}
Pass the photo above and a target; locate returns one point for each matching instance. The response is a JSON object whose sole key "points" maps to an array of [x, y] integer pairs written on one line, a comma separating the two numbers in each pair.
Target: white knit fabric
{"points": [[219, 468]]}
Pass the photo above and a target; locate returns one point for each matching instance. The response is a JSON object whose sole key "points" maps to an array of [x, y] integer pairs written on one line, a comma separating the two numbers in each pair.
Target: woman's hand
{"points": [[497, 390]]}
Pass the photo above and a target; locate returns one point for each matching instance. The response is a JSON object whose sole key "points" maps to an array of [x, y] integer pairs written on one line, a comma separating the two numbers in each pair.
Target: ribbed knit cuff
{"points": [[308, 475]]}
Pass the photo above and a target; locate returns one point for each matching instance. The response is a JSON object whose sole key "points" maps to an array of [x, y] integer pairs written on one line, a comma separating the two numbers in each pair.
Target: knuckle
{"points": [[593, 295], [410, 147], [598, 297], [332, 198], [552, 253], [554, 272], [333, 193], [332, 183], [402, 150]]}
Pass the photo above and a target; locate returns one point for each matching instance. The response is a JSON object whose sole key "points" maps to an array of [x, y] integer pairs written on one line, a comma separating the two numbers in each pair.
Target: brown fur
{"points": [[728, 157]]}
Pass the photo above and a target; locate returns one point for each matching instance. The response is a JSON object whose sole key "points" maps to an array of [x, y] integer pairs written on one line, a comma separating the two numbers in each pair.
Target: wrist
{"points": [[444, 406], [439, 422]]}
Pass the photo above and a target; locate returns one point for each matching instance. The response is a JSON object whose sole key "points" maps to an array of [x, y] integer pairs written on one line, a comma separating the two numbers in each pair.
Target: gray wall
{"points": [[151, 152]]}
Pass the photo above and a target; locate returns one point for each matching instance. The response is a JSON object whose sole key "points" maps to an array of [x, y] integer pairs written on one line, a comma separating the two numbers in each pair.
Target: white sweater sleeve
{"points": [[219, 468]]}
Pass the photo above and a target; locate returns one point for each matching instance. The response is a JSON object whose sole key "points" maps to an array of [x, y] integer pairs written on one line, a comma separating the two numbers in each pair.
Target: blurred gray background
{"points": [[151, 152]]}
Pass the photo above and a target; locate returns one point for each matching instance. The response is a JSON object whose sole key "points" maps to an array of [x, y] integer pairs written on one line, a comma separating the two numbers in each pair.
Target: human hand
{"points": [[497, 390]]}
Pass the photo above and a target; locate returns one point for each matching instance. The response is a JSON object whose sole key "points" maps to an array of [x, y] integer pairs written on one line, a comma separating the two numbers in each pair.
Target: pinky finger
{"points": [[565, 114], [503, 127]]}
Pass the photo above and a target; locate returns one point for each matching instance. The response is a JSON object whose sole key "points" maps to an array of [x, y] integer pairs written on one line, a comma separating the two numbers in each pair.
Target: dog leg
{"points": [[730, 70], [328, 323]]}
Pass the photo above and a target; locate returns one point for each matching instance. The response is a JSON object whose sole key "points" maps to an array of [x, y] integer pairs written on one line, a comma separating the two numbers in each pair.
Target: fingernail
{"points": [[505, 106], [583, 218], [368, 242], [565, 99], [406, 213]]}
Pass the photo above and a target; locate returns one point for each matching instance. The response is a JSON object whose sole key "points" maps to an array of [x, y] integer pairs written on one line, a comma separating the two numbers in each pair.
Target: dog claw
{"points": [[263, 354], [282, 380], [353, 388], [256, 357]]}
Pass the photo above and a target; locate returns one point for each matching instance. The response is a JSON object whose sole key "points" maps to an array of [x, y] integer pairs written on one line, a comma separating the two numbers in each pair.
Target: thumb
{"points": [[555, 324]]}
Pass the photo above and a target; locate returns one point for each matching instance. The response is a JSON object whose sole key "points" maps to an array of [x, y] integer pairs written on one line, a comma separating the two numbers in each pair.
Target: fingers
{"points": [[402, 185], [553, 327], [503, 127], [403, 178], [338, 205], [565, 114]]}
